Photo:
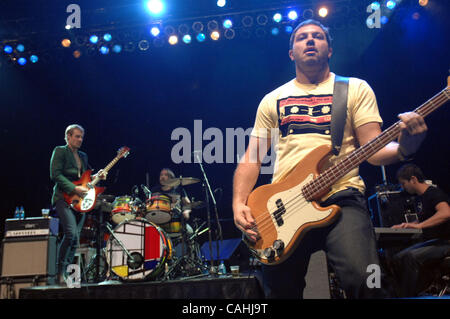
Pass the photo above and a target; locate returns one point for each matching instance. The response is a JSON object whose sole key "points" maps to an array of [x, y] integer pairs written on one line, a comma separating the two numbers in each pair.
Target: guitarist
{"points": [[299, 111], [67, 164]]}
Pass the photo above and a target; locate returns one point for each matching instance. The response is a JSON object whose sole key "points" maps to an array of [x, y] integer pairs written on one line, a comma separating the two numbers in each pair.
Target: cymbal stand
{"points": [[210, 195]]}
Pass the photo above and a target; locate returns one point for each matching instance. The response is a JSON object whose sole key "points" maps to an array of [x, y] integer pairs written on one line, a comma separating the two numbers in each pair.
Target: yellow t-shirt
{"points": [[302, 115]]}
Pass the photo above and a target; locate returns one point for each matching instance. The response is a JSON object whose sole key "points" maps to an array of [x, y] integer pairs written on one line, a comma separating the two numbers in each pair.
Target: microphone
{"points": [[146, 190]]}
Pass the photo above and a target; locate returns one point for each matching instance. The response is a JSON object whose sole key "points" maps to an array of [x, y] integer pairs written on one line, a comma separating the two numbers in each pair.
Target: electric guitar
{"points": [[87, 203], [286, 210]]}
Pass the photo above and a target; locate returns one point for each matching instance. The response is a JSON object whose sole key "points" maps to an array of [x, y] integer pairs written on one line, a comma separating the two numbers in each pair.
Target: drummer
{"points": [[179, 198]]}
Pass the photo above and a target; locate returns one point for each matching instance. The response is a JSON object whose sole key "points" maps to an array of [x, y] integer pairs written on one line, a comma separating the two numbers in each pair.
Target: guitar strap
{"points": [[338, 112]]}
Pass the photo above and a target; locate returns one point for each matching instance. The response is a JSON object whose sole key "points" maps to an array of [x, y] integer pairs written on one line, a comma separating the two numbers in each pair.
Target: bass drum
{"points": [[149, 247]]}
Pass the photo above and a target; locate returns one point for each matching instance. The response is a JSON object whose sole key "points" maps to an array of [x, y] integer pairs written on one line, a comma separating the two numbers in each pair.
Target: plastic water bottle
{"points": [[17, 213], [222, 268], [22, 213]]}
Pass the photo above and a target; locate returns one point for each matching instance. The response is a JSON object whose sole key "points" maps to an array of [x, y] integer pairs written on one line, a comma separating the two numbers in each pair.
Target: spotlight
{"points": [[173, 39], [197, 26], [308, 14], [391, 4], [289, 29], [215, 35], [221, 3], [247, 21], [187, 38], [76, 54], [323, 12], [213, 25], [66, 43], [384, 20], [201, 37], [169, 30], [227, 24], [117, 48], [155, 6], [423, 3], [229, 34], [275, 31], [277, 17], [34, 58], [293, 15], [375, 5], [104, 50], [155, 31], [262, 19], [107, 37], [22, 61], [8, 49], [20, 48], [183, 29], [143, 45], [93, 39]]}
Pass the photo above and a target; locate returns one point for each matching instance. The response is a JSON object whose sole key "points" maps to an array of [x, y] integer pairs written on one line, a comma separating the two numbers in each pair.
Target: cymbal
{"points": [[183, 181], [194, 205]]}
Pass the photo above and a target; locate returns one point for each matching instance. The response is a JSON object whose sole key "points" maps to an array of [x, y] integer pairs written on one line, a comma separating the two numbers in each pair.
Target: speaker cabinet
{"points": [[28, 261]]}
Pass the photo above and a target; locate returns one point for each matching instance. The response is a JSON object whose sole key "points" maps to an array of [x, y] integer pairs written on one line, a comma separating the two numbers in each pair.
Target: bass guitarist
{"points": [[301, 112], [67, 164]]}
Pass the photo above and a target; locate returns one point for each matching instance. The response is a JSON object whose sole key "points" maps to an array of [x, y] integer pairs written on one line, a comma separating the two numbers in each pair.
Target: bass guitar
{"points": [[286, 210], [87, 202]]}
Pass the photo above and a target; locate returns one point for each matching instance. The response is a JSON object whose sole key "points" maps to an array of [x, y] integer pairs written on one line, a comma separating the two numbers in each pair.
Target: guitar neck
{"points": [[326, 179], [106, 169]]}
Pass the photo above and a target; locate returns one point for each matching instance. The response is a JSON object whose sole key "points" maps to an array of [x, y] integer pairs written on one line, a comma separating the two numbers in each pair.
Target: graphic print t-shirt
{"points": [[302, 113]]}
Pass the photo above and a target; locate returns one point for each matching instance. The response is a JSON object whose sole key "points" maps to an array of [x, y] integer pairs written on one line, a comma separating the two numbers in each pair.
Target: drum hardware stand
{"points": [[209, 194], [135, 260]]}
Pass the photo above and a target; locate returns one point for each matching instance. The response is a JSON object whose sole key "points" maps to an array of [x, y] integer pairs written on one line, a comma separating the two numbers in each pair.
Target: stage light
{"points": [[375, 5], [262, 19], [247, 21], [155, 31], [155, 6], [8, 49], [215, 35], [197, 26], [201, 37], [76, 54], [173, 39], [391, 4], [323, 12], [104, 50], [34, 58], [187, 38], [384, 20], [423, 3], [277, 17], [293, 15], [66, 43], [117, 48], [143, 45], [93, 39], [289, 29], [107, 37], [221, 3], [275, 31], [227, 24], [20, 48], [22, 61], [229, 34]]}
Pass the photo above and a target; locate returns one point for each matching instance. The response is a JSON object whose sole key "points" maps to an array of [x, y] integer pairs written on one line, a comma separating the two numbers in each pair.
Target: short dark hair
{"points": [[307, 22], [407, 171]]}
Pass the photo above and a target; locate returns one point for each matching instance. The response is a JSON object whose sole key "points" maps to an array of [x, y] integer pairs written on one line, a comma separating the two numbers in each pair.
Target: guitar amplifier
{"points": [[388, 208], [32, 226]]}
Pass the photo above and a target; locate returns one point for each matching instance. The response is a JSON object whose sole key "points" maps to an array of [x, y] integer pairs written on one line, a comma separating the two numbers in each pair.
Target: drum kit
{"points": [[150, 240]]}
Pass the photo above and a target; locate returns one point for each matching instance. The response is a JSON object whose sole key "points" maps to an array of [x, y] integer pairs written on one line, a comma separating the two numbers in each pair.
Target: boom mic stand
{"points": [[210, 195]]}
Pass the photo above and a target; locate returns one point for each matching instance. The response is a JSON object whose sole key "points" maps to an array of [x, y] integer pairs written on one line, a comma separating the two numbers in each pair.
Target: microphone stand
{"points": [[209, 194]]}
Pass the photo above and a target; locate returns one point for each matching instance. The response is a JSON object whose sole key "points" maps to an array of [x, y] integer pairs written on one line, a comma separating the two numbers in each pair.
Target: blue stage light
{"points": [[391, 4], [227, 24], [20, 48], [117, 48], [93, 39], [107, 37], [34, 58], [289, 29], [8, 49], [155, 31], [22, 61], [275, 31], [201, 37], [155, 7], [104, 50], [187, 38], [375, 5], [277, 17], [293, 15], [384, 20]]}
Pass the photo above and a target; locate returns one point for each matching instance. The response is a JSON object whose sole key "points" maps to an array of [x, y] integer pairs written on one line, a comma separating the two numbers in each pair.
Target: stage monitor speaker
{"points": [[29, 256], [389, 208]]}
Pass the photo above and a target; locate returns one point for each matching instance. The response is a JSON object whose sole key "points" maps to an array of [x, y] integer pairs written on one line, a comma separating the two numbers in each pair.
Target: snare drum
{"points": [[148, 245], [123, 209], [158, 209]]}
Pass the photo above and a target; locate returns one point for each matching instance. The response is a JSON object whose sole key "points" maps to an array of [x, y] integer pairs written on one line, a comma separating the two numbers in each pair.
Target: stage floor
{"points": [[190, 288]]}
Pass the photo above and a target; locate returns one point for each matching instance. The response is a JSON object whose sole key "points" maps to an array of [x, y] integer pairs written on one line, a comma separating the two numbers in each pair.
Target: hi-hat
{"points": [[183, 181]]}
